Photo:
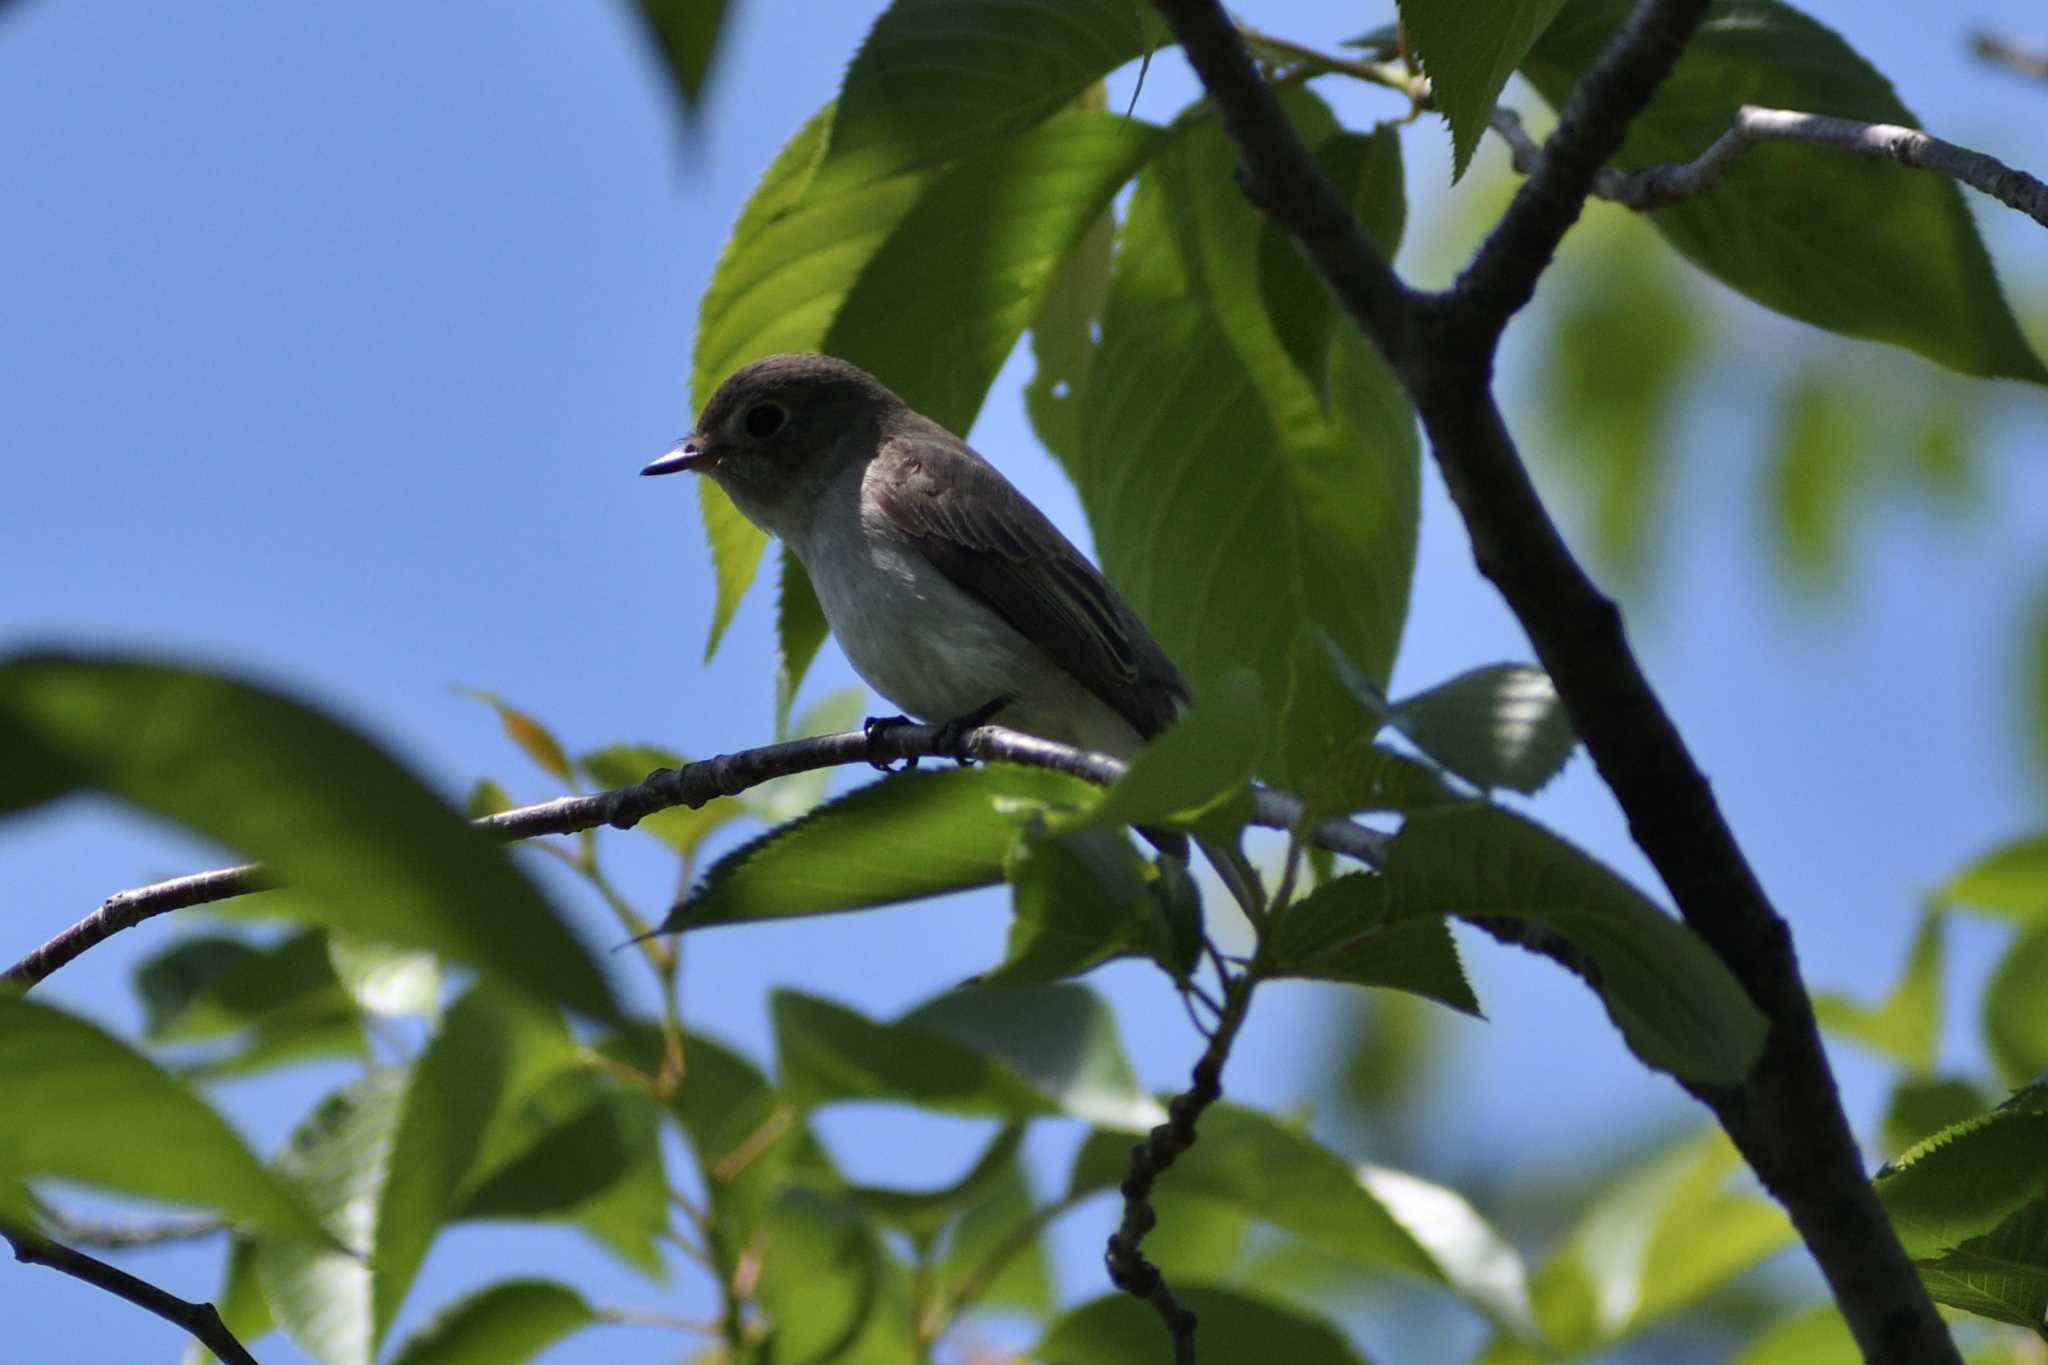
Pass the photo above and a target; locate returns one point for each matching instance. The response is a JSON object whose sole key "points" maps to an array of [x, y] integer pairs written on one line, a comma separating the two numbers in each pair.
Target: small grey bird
{"points": [[951, 594]]}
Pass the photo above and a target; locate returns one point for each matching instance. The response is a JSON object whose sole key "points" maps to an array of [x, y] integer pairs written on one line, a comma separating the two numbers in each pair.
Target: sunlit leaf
{"points": [[1966, 1180], [1906, 1025], [1498, 726], [990, 1237], [908, 836], [1920, 1107], [70, 1086], [502, 1324], [362, 844], [821, 1264], [534, 738], [1864, 248]]}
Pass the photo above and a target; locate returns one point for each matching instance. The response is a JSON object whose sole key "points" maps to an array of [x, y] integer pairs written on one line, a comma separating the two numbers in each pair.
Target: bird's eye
{"points": [[764, 420]]}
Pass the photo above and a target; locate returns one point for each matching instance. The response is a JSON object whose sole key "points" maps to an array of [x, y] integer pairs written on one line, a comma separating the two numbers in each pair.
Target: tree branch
{"points": [[691, 785], [1652, 186], [1786, 1118], [1128, 1268], [200, 1320]]}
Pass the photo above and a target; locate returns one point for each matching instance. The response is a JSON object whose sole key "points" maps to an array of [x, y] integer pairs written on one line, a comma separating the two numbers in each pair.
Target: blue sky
{"points": [[331, 340]]}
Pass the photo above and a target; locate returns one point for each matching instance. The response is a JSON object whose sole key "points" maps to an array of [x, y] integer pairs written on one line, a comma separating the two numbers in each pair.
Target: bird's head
{"points": [[777, 430]]}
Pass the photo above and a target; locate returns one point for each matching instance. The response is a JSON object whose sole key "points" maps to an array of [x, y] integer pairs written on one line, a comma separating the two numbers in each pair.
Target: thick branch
{"points": [[691, 785], [200, 1320], [1652, 186], [1786, 1118], [1128, 1268]]}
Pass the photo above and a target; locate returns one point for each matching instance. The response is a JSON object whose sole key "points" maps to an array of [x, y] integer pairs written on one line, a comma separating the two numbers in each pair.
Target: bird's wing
{"points": [[988, 539]]}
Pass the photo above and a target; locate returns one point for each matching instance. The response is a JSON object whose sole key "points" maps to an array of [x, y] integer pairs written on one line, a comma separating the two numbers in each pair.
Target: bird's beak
{"points": [[692, 452]]}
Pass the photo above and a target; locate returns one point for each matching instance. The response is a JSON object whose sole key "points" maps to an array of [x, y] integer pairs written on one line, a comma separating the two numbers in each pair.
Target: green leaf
{"points": [[921, 1214], [2002, 1275], [1367, 169], [1198, 774], [2015, 1025], [1000, 1052], [323, 1296], [486, 797], [800, 631], [491, 1050], [941, 79], [1654, 1243], [1078, 899], [1498, 726], [1810, 1336], [1283, 517], [1865, 248], [821, 1265], [1920, 1107], [790, 261], [785, 798], [1363, 776], [70, 1085], [1677, 1006], [680, 827], [360, 842], [908, 836], [2036, 681], [2011, 880], [1624, 335], [1000, 1223], [1906, 1027], [1469, 48], [1819, 455], [384, 980], [1966, 1180], [1117, 1329], [581, 1150], [685, 33], [502, 1324], [941, 305], [213, 987], [240, 1302], [1372, 1217], [1348, 931], [1063, 338], [533, 738]]}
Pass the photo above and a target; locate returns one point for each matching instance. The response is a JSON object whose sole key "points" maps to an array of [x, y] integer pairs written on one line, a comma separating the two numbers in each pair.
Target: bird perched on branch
{"points": [[950, 593]]}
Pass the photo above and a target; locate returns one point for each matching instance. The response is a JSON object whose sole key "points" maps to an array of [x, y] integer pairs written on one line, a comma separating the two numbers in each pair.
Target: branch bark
{"points": [[201, 1320], [691, 785], [1786, 1117]]}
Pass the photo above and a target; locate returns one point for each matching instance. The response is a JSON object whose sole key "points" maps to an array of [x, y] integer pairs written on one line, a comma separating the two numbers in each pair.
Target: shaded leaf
{"points": [[920, 1214], [911, 835], [1864, 248], [1677, 1006], [1001, 1052], [820, 1270], [1349, 931], [685, 34], [337, 1159], [1468, 49], [502, 1324], [1063, 338], [1372, 1217], [1920, 1107], [2015, 1023], [800, 631], [998, 1226], [1118, 1329], [365, 847], [1077, 900], [2002, 1275], [1498, 726], [70, 1085], [1197, 774], [1966, 1180]]}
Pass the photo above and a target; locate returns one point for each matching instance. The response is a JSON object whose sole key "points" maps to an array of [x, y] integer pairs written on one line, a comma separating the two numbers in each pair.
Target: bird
{"points": [[949, 592]]}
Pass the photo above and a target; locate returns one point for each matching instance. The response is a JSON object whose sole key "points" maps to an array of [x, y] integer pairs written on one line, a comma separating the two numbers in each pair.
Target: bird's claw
{"points": [[872, 727]]}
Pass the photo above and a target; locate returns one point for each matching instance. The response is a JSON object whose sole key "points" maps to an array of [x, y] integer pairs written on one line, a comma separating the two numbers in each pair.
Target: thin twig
{"points": [[201, 1321], [1650, 187], [1392, 75], [1124, 1256], [691, 785], [2025, 58]]}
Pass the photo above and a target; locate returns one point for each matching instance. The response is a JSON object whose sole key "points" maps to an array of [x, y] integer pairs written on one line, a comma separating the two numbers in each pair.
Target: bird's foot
{"points": [[872, 727], [951, 739]]}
